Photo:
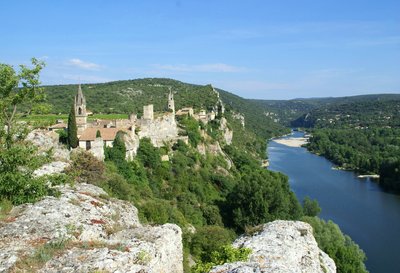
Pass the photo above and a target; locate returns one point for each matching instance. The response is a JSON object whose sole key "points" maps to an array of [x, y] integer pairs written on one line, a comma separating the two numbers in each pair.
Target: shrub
{"points": [[86, 168], [225, 254]]}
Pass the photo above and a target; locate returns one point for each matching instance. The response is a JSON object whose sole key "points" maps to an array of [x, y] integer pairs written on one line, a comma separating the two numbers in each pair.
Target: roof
{"points": [[107, 134]]}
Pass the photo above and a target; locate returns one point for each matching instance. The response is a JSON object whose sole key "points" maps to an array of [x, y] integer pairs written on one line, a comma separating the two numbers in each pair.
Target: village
{"points": [[160, 128]]}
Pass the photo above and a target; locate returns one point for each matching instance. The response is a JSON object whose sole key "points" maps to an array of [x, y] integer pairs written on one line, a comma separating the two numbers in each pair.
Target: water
{"points": [[362, 210]]}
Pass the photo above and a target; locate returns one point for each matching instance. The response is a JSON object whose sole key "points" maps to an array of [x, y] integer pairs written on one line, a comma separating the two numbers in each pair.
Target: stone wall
{"points": [[160, 130]]}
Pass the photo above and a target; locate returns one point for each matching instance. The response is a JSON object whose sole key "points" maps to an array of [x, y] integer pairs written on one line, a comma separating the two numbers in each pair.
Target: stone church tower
{"points": [[80, 111], [171, 103]]}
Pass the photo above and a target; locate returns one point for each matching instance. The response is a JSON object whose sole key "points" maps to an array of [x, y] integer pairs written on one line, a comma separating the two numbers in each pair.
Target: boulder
{"points": [[281, 247], [90, 232]]}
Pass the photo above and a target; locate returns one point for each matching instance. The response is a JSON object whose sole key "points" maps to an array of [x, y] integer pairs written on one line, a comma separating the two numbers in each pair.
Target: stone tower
{"points": [[171, 103], [80, 111]]}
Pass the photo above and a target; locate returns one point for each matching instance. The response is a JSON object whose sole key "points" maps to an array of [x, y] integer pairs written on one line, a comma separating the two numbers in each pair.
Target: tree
{"points": [[72, 129], [16, 89], [18, 159], [311, 207], [98, 134]]}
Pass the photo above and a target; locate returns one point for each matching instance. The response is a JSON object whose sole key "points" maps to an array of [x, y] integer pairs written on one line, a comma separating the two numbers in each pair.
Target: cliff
{"points": [[84, 230], [281, 247]]}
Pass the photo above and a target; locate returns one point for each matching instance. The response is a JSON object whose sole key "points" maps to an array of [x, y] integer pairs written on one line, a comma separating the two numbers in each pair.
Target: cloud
{"points": [[206, 68], [84, 65]]}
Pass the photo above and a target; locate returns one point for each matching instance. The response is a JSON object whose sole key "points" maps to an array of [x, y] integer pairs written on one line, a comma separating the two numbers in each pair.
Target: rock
{"points": [[281, 247], [227, 133], [51, 168], [95, 232], [48, 140]]}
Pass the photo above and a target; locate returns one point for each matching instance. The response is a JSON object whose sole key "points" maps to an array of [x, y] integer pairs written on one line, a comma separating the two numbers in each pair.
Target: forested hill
{"points": [[286, 111], [359, 112], [130, 95]]}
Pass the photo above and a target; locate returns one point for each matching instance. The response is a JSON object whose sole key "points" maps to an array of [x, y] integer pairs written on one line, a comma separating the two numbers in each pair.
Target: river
{"points": [[370, 216]]}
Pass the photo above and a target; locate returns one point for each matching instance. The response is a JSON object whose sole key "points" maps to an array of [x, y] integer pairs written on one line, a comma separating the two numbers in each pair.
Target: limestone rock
{"points": [[98, 234], [51, 168], [281, 247], [48, 140], [227, 133]]}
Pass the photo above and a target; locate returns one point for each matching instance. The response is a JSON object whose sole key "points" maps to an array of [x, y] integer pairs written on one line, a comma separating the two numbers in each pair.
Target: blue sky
{"points": [[256, 49]]}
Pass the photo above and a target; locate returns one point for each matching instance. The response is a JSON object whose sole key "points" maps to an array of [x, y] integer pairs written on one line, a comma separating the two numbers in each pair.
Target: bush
{"points": [[208, 239], [148, 154], [224, 254], [86, 168]]}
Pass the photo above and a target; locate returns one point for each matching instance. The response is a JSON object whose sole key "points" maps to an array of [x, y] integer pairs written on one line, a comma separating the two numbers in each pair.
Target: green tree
{"points": [[98, 134], [18, 159], [311, 207], [72, 129], [17, 89]]}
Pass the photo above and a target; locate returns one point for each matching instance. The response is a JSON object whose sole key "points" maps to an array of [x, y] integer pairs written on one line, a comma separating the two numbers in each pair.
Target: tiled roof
{"points": [[107, 134]]}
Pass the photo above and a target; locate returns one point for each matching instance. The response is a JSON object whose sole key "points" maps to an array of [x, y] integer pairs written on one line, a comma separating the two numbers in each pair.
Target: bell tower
{"points": [[171, 102], [80, 111]]}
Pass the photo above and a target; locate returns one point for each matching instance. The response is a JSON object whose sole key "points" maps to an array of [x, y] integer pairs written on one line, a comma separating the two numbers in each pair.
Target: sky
{"points": [[256, 49]]}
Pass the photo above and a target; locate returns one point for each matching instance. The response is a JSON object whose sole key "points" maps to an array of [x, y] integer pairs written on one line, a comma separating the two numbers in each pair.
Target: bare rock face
{"points": [[46, 140], [281, 247], [90, 233]]}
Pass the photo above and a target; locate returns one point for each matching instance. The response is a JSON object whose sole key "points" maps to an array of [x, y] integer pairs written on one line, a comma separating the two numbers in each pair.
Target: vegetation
{"points": [[349, 258], [72, 132], [18, 159]]}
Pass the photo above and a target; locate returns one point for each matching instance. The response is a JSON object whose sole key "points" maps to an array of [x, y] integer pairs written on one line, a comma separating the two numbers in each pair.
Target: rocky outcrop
{"points": [[89, 233], [281, 247], [48, 140], [51, 168], [226, 132]]}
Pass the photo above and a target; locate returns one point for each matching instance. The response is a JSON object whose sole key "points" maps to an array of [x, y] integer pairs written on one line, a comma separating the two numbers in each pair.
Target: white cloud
{"points": [[84, 65], [216, 67]]}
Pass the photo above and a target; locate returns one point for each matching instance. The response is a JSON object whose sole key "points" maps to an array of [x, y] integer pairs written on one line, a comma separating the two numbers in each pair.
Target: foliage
{"points": [[191, 127], [348, 257], [259, 197], [72, 129], [17, 89], [86, 168], [372, 150], [148, 154], [225, 254], [311, 207], [117, 152], [124, 97], [208, 239], [98, 134]]}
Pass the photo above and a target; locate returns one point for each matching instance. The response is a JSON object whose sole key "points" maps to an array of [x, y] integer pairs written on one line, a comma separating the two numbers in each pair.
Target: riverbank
{"points": [[292, 141]]}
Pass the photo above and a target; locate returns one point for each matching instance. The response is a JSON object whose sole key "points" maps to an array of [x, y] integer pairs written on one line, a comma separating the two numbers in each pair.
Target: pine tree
{"points": [[98, 134], [72, 129]]}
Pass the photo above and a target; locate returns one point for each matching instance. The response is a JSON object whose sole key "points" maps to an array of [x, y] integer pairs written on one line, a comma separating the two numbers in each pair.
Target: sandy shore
{"points": [[292, 142]]}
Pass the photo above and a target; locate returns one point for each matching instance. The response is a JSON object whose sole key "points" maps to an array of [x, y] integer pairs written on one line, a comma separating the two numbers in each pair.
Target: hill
{"points": [[124, 97], [285, 111]]}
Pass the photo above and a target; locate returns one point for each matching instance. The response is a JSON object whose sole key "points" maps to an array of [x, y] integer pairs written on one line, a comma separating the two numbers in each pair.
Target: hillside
{"points": [[285, 111], [130, 96]]}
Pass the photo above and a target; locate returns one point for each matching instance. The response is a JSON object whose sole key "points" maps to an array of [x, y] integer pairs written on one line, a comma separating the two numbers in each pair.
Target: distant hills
{"points": [[361, 110]]}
